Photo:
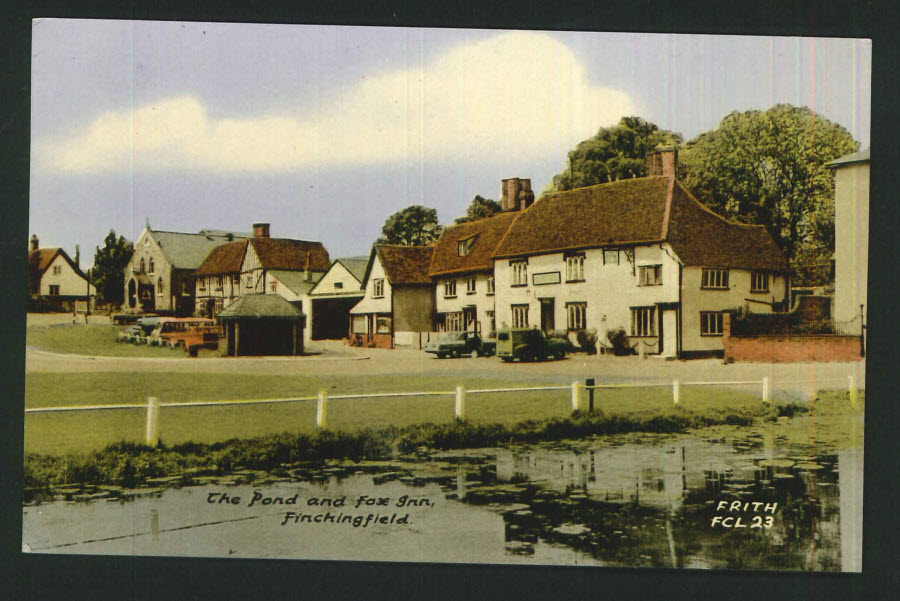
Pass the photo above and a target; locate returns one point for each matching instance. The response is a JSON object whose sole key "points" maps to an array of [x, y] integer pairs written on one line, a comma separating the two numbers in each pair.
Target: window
{"points": [[235, 281], [450, 289], [338, 285], [453, 322], [650, 275], [576, 315], [759, 281], [273, 286], [249, 282], [152, 269], [490, 284], [575, 268], [147, 242], [218, 304], [470, 285], [710, 323], [57, 269], [642, 322], [54, 289], [519, 273], [610, 257], [143, 266], [185, 288], [492, 323], [378, 288], [159, 287], [218, 282], [202, 283], [520, 316], [464, 247], [382, 325], [715, 278]]}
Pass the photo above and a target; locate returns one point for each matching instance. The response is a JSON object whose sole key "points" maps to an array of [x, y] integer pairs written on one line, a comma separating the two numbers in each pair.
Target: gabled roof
{"points": [[403, 265], [39, 262], [291, 255], [224, 259], [639, 211], [355, 265], [188, 251], [256, 306], [857, 157], [296, 280], [483, 236]]}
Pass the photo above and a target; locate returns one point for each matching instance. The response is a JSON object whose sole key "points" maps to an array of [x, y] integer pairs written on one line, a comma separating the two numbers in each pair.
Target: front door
{"points": [[469, 321], [548, 309]]}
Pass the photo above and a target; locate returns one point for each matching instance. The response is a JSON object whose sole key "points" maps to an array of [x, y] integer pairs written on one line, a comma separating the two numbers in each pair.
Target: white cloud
{"points": [[520, 94]]}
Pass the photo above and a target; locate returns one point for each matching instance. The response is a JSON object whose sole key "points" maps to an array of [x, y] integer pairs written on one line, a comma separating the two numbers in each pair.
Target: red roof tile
{"points": [[223, 259], [291, 255], [405, 264], [484, 235]]}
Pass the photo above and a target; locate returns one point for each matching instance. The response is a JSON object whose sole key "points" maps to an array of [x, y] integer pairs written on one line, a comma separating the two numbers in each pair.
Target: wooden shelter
{"points": [[262, 324]]}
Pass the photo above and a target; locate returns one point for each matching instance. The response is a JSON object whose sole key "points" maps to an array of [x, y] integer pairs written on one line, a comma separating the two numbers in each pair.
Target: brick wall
{"points": [[787, 348]]}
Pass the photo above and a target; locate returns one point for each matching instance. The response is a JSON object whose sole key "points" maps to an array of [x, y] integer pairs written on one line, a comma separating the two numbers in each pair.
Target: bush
{"points": [[619, 340], [587, 340], [564, 336]]}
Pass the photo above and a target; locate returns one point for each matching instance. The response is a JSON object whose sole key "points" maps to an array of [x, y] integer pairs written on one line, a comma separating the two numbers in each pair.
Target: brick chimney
{"points": [[516, 194], [662, 161], [77, 257], [35, 244], [260, 230]]}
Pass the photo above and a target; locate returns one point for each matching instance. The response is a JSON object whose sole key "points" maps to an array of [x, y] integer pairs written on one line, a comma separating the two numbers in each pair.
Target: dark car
{"points": [[528, 344], [457, 344]]}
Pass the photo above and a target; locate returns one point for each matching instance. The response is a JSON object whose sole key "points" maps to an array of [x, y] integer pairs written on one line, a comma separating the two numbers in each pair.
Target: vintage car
{"points": [[528, 344], [138, 333], [458, 344], [187, 332]]}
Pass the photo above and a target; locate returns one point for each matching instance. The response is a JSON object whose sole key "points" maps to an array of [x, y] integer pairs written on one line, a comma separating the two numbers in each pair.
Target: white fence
{"points": [[578, 390]]}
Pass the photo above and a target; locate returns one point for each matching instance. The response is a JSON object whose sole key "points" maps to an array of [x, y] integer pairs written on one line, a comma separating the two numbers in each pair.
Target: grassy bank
{"points": [[74, 432], [130, 465], [97, 340]]}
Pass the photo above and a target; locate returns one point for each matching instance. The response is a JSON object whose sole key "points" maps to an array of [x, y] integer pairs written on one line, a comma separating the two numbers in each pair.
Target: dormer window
{"points": [[464, 246]]}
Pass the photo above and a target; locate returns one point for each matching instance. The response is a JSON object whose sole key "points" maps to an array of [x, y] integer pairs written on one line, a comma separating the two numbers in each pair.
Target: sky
{"points": [[326, 131]]}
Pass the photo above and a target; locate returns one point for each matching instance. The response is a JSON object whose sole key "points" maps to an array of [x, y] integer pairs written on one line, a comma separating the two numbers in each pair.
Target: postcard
{"points": [[445, 295]]}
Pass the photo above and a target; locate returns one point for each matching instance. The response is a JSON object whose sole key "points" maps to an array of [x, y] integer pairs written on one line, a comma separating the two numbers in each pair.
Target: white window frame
{"points": [[575, 268], [449, 288], [643, 322], [490, 285], [711, 323], [757, 277], [519, 316], [714, 279], [650, 275], [576, 315], [378, 288], [453, 322], [151, 267], [470, 285], [519, 276]]}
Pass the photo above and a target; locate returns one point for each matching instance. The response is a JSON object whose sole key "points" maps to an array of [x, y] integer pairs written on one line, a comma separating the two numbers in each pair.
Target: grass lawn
{"points": [[95, 340], [57, 433]]}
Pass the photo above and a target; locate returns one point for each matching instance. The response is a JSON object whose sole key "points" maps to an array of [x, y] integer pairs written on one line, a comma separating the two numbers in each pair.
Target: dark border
{"points": [[74, 577]]}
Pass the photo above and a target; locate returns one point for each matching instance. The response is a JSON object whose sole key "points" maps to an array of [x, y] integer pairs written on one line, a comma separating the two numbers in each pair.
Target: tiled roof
{"points": [[355, 265], [188, 251], [296, 280], [223, 259], [40, 260], [640, 210], [404, 264], [483, 234], [291, 255], [257, 306]]}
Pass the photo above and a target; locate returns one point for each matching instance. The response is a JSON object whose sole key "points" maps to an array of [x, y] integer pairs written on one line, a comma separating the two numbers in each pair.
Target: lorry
{"points": [[528, 344], [458, 344]]}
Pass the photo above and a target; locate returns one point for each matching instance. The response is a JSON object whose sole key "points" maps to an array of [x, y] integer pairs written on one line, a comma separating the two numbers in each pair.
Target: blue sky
{"points": [[325, 131]]}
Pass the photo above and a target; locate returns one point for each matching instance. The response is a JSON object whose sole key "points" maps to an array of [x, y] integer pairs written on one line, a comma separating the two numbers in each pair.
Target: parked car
{"points": [[129, 333], [145, 325], [457, 344], [185, 332], [528, 344]]}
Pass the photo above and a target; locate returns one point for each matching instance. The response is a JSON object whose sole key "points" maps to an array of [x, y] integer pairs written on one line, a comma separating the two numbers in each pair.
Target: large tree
{"points": [[412, 226], [480, 208], [616, 152], [108, 273], [768, 167]]}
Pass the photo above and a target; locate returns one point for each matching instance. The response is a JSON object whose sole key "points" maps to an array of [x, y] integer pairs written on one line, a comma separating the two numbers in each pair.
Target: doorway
{"points": [[548, 310]]}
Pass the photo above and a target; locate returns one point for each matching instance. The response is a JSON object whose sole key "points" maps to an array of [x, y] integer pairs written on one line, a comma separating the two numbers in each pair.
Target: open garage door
{"points": [[331, 317]]}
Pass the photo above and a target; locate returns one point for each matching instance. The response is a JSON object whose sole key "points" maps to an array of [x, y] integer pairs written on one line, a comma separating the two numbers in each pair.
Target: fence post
{"points": [[766, 391], [322, 410], [460, 409], [152, 435], [589, 384], [576, 395], [641, 351], [676, 391], [851, 382]]}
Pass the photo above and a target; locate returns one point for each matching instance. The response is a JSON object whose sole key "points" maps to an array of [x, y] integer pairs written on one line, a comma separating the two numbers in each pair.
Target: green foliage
{"points": [[614, 153], [768, 168], [480, 208], [413, 226], [109, 265]]}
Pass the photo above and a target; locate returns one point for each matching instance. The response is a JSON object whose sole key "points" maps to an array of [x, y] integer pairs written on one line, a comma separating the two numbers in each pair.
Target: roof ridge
{"points": [[713, 213], [624, 181]]}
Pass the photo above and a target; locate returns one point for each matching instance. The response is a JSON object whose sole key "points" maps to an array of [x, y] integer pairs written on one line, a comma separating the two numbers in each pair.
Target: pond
{"points": [[682, 501]]}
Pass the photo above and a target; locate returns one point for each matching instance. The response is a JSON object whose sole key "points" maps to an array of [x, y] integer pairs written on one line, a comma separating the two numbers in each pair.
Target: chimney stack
{"points": [[77, 257], [34, 242], [516, 194], [260, 230], [662, 161]]}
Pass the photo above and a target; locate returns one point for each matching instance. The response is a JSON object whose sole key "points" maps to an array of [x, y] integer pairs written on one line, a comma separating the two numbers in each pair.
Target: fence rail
{"points": [[578, 390]]}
